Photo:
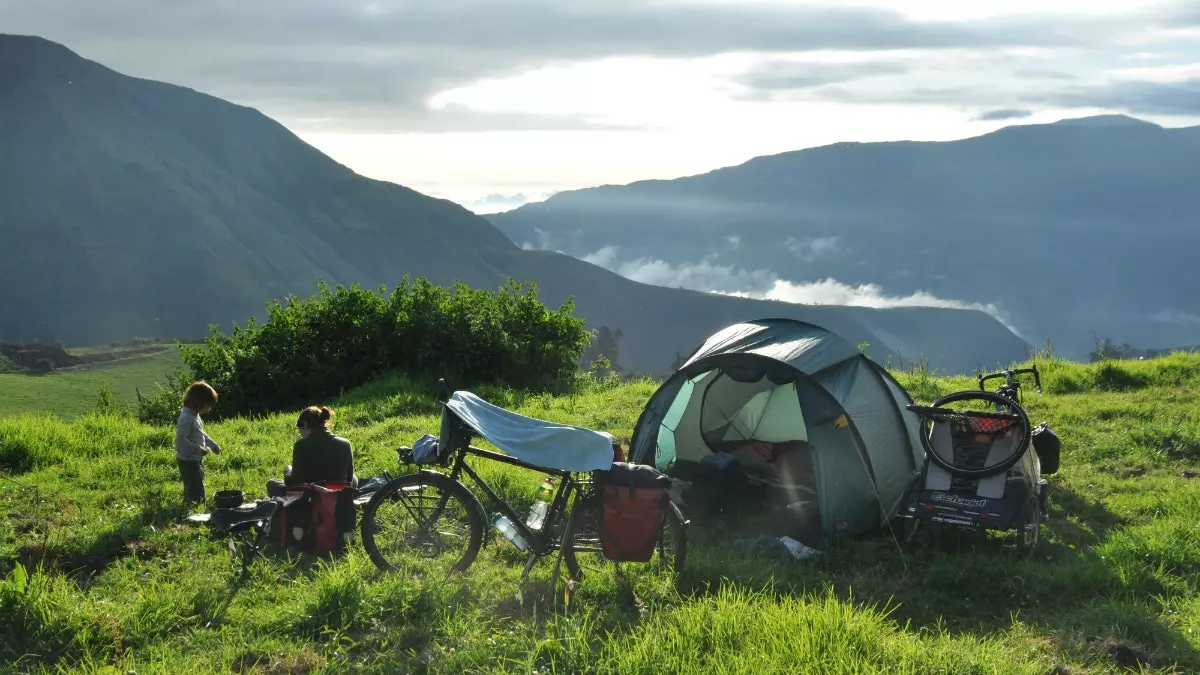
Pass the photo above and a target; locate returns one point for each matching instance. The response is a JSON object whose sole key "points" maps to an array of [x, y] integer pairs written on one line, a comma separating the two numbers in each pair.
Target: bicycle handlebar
{"points": [[1010, 377]]}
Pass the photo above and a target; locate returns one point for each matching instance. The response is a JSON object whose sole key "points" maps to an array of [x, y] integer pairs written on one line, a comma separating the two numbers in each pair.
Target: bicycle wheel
{"points": [[581, 540], [423, 519]]}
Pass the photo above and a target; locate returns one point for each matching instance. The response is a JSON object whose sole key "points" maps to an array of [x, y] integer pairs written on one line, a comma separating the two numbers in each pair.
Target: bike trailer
{"points": [[633, 501]]}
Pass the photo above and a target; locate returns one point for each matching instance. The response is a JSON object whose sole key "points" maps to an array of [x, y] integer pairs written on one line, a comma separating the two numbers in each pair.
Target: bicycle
{"points": [[454, 517]]}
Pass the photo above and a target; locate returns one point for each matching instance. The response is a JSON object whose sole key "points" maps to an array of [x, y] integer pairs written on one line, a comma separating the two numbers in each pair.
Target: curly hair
{"points": [[199, 395]]}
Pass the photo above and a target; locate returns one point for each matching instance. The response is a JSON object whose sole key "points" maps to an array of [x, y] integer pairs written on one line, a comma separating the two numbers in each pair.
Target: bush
{"points": [[42, 366], [162, 406], [7, 366], [315, 348]]}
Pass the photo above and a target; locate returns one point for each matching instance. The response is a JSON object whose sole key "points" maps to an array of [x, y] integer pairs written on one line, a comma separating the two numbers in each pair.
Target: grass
{"points": [[111, 577], [70, 393]]}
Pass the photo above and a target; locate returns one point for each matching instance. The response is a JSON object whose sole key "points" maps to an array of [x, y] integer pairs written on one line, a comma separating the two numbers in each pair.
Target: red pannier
{"points": [[633, 502], [324, 515]]}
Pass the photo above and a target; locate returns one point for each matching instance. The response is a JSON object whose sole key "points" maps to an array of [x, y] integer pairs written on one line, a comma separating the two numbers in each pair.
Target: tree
{"points": [[605, 344]]}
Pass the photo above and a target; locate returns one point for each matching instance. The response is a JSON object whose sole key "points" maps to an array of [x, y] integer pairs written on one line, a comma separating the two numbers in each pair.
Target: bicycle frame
{"points": [[540, 542]]}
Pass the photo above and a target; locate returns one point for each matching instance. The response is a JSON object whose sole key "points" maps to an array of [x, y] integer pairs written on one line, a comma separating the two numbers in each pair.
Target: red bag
{"points": [[329, 512], [325, 513], [633, 503]]}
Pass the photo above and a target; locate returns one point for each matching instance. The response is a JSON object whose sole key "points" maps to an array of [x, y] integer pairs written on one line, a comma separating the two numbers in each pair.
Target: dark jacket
{"points": [[322, 457]]}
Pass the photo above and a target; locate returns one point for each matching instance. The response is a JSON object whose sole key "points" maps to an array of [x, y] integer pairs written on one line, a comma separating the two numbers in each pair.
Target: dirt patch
{"points": [[28, 355], [1128, 655], [119, 354]]}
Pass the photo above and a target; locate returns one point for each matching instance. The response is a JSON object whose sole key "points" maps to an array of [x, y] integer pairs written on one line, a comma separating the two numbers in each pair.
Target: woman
{"points": [[318, 456]]}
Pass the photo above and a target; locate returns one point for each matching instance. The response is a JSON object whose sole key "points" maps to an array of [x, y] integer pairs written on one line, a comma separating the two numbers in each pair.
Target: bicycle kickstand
{"points": [[528, 567]]}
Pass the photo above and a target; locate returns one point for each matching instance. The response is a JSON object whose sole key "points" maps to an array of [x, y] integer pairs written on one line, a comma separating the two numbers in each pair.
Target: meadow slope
{"points": [[71, 393], [100, 571]]}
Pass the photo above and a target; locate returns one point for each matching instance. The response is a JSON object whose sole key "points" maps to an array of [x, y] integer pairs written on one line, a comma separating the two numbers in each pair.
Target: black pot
{"points": [[228, 499]]}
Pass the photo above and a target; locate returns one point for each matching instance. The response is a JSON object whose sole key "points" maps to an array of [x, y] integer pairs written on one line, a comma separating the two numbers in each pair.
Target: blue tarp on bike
{"points": [[547, 444]]}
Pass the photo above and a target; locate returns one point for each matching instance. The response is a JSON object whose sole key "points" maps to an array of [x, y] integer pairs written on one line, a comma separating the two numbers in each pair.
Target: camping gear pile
{"points": [[783, 429]]}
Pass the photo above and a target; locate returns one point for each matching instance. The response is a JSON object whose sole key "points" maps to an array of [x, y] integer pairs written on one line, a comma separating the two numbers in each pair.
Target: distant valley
{"points": [[1067, 231]]}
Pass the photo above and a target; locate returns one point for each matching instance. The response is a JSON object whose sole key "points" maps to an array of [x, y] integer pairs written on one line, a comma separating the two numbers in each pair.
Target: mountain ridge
{"points": [[134, 207], [1094, 211]]}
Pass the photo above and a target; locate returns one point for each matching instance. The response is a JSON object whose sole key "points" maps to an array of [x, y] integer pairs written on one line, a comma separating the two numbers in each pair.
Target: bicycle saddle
{"points": [[230, 520]]}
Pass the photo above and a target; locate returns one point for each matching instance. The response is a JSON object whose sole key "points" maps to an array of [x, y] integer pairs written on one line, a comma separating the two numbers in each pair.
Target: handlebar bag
{"points": [[633, 501]]}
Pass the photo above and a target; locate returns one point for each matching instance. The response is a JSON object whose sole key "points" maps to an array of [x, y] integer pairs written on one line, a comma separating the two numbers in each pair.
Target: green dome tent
{"points": [[797, 409]]}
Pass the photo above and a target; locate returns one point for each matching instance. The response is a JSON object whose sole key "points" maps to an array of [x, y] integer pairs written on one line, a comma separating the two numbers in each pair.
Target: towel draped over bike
{"points": [[547, 444]]}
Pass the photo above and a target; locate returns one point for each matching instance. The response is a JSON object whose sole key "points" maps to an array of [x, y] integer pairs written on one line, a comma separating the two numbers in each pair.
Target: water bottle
{"points": [[541, 505], [510, 531]]}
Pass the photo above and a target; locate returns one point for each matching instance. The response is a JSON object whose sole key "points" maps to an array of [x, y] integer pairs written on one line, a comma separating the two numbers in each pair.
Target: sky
{"points": [[492, 103]]}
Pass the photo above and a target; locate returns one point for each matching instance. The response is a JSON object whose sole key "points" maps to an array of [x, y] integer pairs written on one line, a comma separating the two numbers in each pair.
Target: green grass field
{"points": [[72, 392], [1114, 587]]}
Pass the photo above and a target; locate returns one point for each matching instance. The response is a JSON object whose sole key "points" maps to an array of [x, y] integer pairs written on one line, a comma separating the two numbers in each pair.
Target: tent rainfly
{"points": [[799, 405]]}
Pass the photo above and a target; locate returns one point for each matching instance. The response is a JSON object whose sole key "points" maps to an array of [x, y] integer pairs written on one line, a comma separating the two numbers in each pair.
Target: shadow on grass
{"points": [[1093, 606], [125, 538]]}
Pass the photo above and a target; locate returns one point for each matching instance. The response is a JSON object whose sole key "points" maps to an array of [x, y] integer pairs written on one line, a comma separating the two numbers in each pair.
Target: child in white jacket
{"points": [[191, 442]]}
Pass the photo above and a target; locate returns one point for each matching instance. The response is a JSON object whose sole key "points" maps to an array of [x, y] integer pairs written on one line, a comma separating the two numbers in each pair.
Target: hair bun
{"points": [[326, 413]]}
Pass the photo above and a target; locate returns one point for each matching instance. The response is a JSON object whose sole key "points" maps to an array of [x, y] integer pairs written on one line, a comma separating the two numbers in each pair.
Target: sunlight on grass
{"points": [[99, 567]]}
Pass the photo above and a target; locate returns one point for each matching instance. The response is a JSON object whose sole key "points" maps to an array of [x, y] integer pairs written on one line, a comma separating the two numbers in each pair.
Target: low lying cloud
{"points": [[500, 202], [711, 276], [1003, 114]]}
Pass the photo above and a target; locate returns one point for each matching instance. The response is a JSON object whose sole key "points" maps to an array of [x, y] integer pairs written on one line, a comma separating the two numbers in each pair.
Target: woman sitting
{"points": [[317, 456]]}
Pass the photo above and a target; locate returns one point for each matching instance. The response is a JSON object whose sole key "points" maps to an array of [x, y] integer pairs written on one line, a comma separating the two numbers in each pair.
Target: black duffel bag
{"points": [[1048, 447]]}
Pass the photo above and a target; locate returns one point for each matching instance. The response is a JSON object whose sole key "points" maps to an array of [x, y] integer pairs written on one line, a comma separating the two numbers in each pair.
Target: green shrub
{"points": [[315, 348], [7, 366], [162, 406]]}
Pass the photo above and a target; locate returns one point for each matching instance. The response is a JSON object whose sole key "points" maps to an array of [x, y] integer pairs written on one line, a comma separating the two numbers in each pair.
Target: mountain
{"points": [[1072, 228], [132, 207]]}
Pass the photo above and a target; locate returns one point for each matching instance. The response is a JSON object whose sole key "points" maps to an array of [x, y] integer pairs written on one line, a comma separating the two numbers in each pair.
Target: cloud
{"points": [[706, 275], [374, 66], [498, 202], [710, 276], [812, 248], [1003, 114], [1041, 74], [1149, 98], [768, 80]]}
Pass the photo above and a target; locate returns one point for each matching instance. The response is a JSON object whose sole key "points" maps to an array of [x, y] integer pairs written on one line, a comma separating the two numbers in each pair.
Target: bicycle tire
{"points": [[453, 488], [588, 507], [986, 471]]}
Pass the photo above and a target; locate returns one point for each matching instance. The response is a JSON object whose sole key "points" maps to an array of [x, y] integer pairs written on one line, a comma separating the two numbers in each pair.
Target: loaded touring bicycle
{"points": [[592, 508]]}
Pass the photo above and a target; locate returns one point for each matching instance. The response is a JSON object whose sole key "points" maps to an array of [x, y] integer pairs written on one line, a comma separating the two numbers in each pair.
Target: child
{"points": [[191, 443]]}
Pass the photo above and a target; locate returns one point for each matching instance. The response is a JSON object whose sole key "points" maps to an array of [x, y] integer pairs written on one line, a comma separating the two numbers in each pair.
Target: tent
{"points": [[797, 410]]}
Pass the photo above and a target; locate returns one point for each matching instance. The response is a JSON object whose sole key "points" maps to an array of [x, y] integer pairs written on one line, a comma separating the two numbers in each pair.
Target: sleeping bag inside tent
{"points": [[786, 427]]}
